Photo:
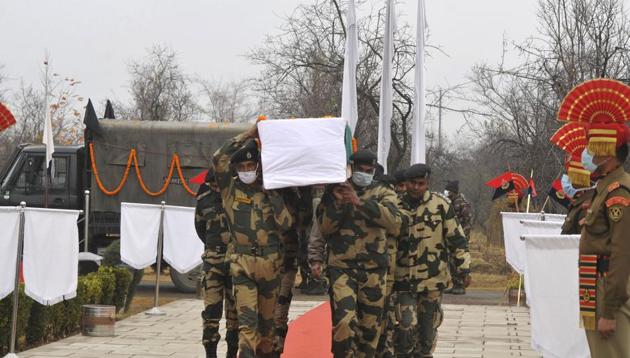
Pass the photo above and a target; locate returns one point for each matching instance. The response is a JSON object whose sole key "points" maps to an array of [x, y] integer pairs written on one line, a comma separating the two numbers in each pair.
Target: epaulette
{"points": [[613, 186]]}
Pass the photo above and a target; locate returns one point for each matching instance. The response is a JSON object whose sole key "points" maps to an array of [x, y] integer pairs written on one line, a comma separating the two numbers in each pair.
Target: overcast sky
{"points": [[94, 41]]}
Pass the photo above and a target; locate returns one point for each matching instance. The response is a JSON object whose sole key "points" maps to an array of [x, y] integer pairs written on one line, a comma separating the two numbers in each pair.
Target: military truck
{"points": [[165, 154]]}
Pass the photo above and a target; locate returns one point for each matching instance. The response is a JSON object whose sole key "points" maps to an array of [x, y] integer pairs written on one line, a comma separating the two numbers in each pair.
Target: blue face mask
{"points": [[567, 187], [362, 179], [587, 161]]}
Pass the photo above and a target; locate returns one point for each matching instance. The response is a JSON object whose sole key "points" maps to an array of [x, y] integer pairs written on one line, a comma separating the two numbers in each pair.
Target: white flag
{"points": [[418, 137], [386, 107], [47, 138], [349, 110]]}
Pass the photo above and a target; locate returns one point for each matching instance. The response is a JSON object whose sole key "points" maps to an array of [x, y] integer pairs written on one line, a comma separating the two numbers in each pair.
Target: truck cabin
{"points": [[23, 178]]}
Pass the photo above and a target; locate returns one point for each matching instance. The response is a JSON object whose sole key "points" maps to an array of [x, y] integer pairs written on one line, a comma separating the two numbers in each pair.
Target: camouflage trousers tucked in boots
{"points": [[419, 316], [281, 313], [256, 282], [358, 298], [217, 286]]}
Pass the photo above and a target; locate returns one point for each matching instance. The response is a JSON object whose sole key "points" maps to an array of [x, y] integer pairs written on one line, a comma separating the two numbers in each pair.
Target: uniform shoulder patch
{"points": [[615, 213], [613, 186], [617, 200]]}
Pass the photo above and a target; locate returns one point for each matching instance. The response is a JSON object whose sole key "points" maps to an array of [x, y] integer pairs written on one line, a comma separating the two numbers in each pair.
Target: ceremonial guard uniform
{"points": [[258, 220], [576, 212], [212, 228], [355, 220], [602, 106], [422, 271]]}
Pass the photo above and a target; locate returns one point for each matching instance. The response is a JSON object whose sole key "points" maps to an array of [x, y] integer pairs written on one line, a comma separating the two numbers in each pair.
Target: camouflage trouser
{"points": [[217, 285], [281, 313], [358, 297], [385, 348], [256, 282], [419, 316], [305, 268]]}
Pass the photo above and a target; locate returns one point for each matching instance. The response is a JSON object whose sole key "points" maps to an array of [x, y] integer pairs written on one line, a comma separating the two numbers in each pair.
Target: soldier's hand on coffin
{"points": [[252, 132], [351, 196], [337, 192]]}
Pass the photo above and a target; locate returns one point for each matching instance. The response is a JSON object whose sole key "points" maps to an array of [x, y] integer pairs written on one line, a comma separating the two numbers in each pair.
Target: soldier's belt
{"points": [[217, 248], [588, 291], [255, 250]]}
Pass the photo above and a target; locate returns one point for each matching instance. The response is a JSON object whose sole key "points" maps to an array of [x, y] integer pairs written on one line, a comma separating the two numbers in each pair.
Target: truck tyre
{"points": [[186, 282]]}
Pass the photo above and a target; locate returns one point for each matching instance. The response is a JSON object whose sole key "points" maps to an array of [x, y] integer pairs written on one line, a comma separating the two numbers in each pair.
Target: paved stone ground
{"points": [[467, 331]]}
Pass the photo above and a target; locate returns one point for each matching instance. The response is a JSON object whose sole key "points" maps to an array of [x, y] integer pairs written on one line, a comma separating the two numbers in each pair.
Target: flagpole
{"points": [[386, 103], [45, 133], [529, 194]]}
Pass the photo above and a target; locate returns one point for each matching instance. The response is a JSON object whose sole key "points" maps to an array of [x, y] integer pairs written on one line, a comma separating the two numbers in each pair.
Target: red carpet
{"points": [[310, 335]]}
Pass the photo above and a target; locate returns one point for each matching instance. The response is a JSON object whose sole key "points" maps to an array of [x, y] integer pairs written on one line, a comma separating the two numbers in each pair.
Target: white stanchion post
{"points": [[155, 311], [86, 223], [16, 288]]}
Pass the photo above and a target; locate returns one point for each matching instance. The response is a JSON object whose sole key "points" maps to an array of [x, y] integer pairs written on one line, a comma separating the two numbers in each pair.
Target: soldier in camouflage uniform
{"points": [[355, 219], [386, 344], [422, 269], [463, 213], [212, 229], [298, 201], [258, 220]]}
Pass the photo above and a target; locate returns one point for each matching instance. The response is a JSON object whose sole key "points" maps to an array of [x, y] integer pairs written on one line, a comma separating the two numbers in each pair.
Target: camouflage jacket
{"points": [[433, 233], [257, 218], [210, 220], [605, 233], [463, 212], [356, 237]]}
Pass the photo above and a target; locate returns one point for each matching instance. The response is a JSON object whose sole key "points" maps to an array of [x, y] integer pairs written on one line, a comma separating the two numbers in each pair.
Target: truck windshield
{"points": [[31, 178]]}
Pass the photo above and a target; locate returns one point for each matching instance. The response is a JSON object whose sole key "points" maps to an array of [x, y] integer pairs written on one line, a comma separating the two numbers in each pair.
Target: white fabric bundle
{"points": [[182, 247], [512, 232], [139, 228], [552, 267], [10, 224], [299, 152], [51, 254]]}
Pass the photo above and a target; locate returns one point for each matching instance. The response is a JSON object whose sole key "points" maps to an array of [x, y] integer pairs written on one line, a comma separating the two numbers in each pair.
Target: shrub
{"points": [[6, 312], [123, 278]]}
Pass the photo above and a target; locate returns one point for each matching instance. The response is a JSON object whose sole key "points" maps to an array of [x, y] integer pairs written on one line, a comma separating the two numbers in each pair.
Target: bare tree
{"points": [[227, 101], [303, 71], [160, 89], [577, 40]]}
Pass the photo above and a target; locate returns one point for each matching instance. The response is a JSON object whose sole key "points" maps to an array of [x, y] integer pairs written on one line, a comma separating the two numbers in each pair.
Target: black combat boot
{"points": [[211, 350], [231, 338]]}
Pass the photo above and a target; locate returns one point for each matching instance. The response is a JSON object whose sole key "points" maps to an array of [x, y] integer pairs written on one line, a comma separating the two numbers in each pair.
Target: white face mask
{"points": [[247, 177]]}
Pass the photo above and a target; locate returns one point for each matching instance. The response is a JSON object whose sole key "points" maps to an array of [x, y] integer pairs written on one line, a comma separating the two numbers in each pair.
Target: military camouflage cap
{"points": [[248, 152], [418, 171], [363, 157]]}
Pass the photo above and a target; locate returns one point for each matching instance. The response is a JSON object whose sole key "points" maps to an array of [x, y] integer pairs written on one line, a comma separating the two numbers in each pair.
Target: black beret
{"points": [[387, 179], [248, 152], [400, 176], [452, 185], [417, 171], [210, 175], [363, 157]]}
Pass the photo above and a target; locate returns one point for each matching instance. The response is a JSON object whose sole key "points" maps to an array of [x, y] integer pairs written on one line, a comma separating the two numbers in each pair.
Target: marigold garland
{"points": [[133, 158]]}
